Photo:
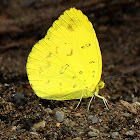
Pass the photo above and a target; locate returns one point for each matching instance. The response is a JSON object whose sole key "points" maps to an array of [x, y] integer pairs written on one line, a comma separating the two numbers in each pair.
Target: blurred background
{"points": [[23, 23], [117, 25]]}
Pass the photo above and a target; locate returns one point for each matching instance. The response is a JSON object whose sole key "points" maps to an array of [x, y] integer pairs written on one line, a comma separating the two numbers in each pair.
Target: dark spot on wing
{"points": [[63, 68]]}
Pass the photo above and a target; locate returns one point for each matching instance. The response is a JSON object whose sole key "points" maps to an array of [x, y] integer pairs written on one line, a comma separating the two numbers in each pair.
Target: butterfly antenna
{"points": [[115, 76]]}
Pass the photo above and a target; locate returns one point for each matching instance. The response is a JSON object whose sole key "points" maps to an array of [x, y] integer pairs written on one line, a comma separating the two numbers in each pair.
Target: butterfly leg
{"points": [[104, 100], [79, 101], [90, 101]]}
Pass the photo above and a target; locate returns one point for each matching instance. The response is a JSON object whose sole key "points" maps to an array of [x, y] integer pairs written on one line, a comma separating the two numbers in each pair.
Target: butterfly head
{"points": [[101, 84]]}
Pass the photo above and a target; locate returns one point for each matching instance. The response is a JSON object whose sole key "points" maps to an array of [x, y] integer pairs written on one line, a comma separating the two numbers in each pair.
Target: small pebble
{"points": [[33, 131], [90, 117], [100, 120], [55, 135], [77, 138], [72, 123], [13, 128], [48, 110], [92, 128], [58, 124], [78, 115], [130, 133], [59, 116], [126, 115], [40, 124], [18, 99], [94, 133], [115, 135], [68, 122], [71, 107], [94, 119]]}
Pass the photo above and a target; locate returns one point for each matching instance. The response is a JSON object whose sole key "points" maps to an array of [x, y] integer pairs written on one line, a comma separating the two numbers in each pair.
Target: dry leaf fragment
{"points": [[129, 106]]}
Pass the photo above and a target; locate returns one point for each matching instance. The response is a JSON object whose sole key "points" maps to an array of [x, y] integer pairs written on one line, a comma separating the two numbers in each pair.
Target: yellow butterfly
{"points": [[67, 64]]}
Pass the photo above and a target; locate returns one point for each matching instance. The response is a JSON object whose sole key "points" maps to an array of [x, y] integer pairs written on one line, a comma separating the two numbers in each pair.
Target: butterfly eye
{"points": [[101, 84]]}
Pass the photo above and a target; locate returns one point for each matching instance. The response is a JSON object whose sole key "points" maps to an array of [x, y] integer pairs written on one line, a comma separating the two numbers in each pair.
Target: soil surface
{"points": [[25, 116]]}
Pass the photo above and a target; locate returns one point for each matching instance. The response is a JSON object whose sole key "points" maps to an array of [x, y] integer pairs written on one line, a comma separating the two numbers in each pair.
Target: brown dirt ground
{"points": [[117, 24]]}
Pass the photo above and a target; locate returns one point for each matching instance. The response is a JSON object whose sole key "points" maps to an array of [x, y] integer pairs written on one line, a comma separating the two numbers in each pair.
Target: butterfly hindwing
{"points": [[66, 63]]}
